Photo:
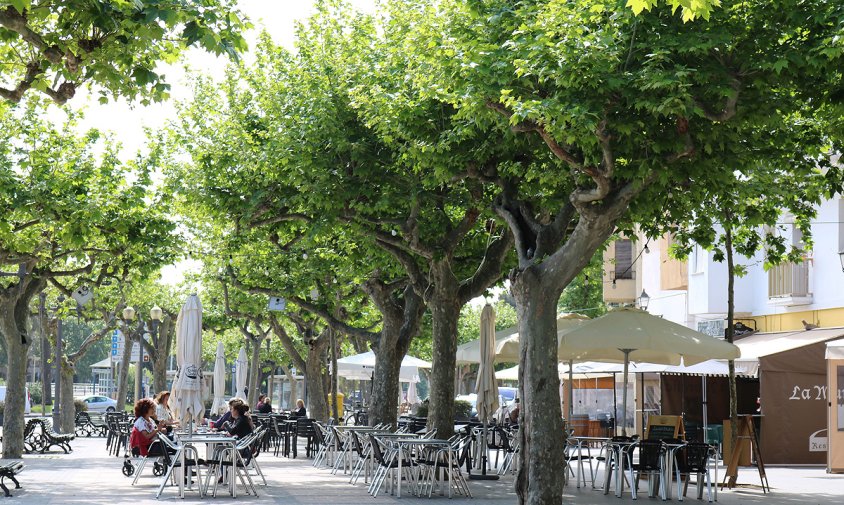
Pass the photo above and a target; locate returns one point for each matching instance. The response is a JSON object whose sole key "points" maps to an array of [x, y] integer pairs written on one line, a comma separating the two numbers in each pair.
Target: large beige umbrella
{"points": [[241, 370], [632, 334], [186, 395], [219, 405], [507, 342]]}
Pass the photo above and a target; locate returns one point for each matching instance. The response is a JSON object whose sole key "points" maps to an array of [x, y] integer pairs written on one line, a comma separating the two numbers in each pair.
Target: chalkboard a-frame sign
{"points": [[663, 427]]}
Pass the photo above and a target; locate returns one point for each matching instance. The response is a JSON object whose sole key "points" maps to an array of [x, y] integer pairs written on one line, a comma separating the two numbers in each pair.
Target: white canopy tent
{"points": [[362, 366]]}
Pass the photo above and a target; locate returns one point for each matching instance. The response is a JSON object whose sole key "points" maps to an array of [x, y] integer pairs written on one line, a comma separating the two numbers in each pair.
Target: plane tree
{"points": [[116, 47], [637, 112], [70, 216]]}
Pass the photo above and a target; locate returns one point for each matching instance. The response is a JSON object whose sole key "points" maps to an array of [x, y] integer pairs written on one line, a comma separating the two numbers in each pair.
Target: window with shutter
{"points": [[624, 259]]}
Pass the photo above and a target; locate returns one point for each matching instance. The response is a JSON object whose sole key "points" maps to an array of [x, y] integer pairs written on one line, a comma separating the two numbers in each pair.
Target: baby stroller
{"points": [[141, 452]]}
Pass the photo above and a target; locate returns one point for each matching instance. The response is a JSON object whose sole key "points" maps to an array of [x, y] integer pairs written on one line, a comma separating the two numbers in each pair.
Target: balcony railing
{"points": [[789, 280]]}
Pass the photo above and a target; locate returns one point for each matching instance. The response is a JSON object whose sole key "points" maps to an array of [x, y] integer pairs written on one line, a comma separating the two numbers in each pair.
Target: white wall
{"points": [[706, 297]]}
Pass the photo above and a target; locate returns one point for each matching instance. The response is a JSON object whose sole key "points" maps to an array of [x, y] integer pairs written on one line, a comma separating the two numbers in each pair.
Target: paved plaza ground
{"points": [[90, 476]]}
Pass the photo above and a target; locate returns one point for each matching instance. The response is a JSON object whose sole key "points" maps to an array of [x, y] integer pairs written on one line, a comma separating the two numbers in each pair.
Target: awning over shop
{"points": [[764, 344], [835, 350]]}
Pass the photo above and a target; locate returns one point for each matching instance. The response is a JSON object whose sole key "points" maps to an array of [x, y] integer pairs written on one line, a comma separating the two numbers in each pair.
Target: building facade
{"points": [[693, 292]]}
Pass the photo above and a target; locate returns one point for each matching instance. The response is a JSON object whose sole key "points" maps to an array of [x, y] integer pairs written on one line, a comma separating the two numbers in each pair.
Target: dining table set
{"points": [[223, 461], [393, 459], [626, 460]]}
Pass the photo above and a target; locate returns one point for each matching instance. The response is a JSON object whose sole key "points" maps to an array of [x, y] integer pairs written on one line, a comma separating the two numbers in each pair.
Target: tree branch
{"points": [[332, 321], [280, 218], [286, 342], [728, 110], [490, 268], [408, 263], [92, 339]]}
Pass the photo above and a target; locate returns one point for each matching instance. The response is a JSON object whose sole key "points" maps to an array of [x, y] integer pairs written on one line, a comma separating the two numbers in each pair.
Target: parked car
{"points": [[97, 403], [507, 396], [27, 405]]}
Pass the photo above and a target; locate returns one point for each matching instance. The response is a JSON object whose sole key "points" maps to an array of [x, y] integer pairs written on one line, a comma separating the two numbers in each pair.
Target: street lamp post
{"points": [[57, 398], [128, 317], [155, 315]]}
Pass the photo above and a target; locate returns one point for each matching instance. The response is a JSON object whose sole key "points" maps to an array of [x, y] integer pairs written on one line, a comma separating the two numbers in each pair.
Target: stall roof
{"points": [[758, 345], [106, 363], [835, 350]]}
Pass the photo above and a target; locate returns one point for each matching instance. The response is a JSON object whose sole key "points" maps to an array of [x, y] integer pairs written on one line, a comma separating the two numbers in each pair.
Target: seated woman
{"points": [[145, 429], [264, 406], [300, 409], [163, 414], [241, 425], [220, 423]]}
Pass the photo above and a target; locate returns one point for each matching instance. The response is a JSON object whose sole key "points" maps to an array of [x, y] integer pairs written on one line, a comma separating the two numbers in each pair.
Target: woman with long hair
{"points": [[241, 421], [145, 429], [163, 414]]}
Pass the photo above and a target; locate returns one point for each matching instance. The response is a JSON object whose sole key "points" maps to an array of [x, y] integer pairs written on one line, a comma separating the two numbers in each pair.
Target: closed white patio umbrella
{"points": [[241, 370], [485, 386], [412, 395], [186, 394], [629, 334], [219, 405]]}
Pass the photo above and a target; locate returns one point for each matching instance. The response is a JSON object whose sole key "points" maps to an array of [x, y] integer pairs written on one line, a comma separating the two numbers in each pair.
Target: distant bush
{"points": [[35, 393], [422, 410], [80, 406], [462, 408]]}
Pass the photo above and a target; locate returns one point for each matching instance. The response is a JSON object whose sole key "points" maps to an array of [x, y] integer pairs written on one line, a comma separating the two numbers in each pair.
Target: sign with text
{"points": [[117, 346]]}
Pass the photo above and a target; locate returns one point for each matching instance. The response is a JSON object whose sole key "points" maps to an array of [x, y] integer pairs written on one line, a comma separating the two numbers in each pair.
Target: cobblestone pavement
{"points": [[89, 476]]}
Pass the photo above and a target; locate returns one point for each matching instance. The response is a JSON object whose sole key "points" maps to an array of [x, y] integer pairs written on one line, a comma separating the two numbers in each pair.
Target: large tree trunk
{"points": [[68, 411], [161, 354], [123, 375], [254, 374], [385, 385], [539, 480], [13, 327], [401, 318], [159, 372], [445, 310], [314, 382]]}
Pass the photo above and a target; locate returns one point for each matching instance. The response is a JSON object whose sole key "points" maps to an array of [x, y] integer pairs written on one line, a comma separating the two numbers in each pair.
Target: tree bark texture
{"points": [[445, 306], [385, 383], [123, 375], [68, 410], [730, 333], [46, 370], [401, 316], [314, 381], [539, 480], [13, 327], [160, 352], [254, 373]]}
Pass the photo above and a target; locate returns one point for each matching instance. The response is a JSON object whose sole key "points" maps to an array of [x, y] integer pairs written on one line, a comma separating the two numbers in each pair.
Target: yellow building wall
{"points": [[794, 320], [673, 273]]}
